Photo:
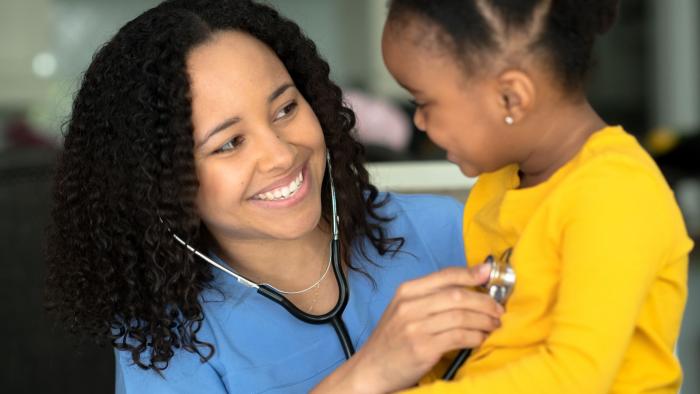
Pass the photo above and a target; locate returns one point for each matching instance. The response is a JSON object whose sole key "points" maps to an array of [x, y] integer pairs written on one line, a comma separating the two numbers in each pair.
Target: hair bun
{"points": [[606, 15]]}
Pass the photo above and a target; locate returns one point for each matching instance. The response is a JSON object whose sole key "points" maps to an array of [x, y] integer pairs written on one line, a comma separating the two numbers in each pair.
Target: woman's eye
{"points": [[287, 110], [230, 145]]}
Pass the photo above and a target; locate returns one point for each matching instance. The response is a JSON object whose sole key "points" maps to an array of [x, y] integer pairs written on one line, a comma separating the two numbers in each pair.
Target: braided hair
{"points": [[477, 31]]}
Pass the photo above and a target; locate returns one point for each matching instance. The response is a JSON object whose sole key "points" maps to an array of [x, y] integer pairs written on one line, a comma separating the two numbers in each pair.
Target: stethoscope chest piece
{"points": [[501, 280], [499, 287]]}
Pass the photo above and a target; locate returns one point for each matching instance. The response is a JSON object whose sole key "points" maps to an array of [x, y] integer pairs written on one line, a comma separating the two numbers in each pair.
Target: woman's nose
{"points": [[276, 153]]}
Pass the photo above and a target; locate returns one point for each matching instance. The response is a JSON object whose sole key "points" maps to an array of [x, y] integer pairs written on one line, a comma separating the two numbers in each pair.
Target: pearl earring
{"points": [[509, 120]]}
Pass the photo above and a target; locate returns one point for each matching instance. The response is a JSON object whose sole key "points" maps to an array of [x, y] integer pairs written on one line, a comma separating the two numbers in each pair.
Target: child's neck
{"points": [[564, 133]]}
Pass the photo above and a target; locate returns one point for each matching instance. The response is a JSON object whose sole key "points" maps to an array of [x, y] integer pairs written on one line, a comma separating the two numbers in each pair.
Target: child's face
{"points": [[259, 148], [464, 117]]}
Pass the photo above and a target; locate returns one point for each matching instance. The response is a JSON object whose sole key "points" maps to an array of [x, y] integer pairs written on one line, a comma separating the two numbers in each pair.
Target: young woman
{"points": [[209, 174]]}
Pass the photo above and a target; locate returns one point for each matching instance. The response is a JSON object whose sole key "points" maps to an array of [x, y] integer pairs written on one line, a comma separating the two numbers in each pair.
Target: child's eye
{"points": [[287, 111], [230, 145], [417, 104]]}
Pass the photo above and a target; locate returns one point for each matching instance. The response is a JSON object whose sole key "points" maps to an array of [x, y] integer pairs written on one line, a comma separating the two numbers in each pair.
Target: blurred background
{"points": [[646, 78]]}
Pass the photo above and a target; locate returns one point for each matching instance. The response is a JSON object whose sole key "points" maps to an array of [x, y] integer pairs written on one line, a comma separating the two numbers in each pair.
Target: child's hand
{"points": [[426, 318]]}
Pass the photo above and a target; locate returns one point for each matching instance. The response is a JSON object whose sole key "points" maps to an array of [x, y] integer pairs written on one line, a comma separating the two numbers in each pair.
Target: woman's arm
{"points": [[426, 318]]}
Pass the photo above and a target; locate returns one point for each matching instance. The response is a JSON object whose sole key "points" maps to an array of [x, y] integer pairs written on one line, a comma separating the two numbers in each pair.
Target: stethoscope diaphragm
{"points": [[501, 279]]}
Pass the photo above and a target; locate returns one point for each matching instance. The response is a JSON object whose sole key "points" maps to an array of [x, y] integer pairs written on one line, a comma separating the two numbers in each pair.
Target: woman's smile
{"points": [[285, 192]]}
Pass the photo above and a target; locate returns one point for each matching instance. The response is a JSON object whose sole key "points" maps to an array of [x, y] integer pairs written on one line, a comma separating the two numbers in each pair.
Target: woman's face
{"points": [[463, 117], [259, 148]]}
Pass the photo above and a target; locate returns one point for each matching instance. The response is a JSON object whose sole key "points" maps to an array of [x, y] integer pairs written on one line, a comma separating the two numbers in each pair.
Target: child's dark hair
{"points": [[564, 30], [126, 177]]}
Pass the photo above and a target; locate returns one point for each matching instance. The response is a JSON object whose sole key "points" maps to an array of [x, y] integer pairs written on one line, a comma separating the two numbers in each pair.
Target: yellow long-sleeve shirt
{"points": [[600, 253]]}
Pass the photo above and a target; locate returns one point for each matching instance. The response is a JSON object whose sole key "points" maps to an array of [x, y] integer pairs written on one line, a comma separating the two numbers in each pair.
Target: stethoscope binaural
{"points": [[334, 316], [499, 286]]}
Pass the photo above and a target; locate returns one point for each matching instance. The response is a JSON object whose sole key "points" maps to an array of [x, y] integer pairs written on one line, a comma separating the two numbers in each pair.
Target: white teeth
{"points": [[282, 192]]}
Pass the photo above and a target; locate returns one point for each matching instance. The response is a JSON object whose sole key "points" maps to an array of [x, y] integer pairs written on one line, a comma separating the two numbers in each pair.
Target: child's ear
{"points": [[517, 92]]}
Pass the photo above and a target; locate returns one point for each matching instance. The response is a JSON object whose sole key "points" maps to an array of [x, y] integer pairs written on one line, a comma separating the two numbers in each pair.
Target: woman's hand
{"points": [[426, 318]]}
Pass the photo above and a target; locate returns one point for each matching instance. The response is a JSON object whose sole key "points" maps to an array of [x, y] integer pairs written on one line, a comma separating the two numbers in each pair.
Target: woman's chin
{"points": [[295, 226]]}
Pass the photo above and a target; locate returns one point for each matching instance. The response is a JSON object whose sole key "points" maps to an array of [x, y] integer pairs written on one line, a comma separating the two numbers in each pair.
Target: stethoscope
{"points": [[499, 286], [334, 316]]}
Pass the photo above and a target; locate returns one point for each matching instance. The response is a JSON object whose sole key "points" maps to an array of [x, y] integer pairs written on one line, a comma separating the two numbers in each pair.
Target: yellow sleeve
{"points": [[616, 232]]}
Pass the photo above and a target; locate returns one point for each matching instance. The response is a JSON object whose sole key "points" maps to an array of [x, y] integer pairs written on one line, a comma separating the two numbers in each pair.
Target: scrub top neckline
{"points": [[232, 288]]}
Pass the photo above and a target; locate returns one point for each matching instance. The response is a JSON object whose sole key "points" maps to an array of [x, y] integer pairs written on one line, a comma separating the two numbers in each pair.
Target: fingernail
{"points": [[501, 309], [484, 269]]}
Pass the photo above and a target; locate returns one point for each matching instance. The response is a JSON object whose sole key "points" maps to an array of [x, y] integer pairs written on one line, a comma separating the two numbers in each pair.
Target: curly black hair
{"points": [[564, 29], [115, 274]]}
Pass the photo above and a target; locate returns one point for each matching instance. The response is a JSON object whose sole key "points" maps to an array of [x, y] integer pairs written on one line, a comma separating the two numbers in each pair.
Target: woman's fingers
{"points": [[426, 318], [450, 298], [457, 339], [453, 276], [456, 320], [427, 339], [421, 345]]}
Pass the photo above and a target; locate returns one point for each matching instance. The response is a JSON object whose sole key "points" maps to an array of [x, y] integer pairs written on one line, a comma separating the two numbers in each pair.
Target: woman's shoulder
{"points": [[184, 372], [431, 226], [426, 215], [419, 206]]}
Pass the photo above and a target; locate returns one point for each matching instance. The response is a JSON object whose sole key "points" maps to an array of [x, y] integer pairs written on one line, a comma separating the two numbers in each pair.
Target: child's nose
{"points": [[419, 120]]}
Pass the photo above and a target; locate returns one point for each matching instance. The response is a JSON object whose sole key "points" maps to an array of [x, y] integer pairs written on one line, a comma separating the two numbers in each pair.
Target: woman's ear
{"points": [[517, 93]]}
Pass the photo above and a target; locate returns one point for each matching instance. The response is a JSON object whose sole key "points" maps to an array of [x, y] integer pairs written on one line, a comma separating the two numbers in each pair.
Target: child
{"points": [[598, 243]]}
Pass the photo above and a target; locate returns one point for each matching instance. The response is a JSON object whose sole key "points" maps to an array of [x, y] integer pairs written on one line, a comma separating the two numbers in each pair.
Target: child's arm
{"points": [[619, 232]]}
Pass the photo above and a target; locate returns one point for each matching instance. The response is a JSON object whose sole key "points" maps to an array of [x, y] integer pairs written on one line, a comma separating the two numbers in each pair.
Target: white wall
{"points": [[346, 32], [24, 32], [675, 74]]}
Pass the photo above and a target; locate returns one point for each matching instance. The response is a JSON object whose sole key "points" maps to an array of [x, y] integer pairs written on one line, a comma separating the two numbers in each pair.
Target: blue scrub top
{"points": [[261, 348]]}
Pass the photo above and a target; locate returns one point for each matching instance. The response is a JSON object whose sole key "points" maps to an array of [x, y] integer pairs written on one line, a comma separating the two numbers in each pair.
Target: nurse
{"points": [[212, 120]]}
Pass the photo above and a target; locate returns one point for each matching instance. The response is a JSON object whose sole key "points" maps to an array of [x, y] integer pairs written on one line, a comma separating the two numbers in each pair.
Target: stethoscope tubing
{"points": [[332, 317], [457, 363], [502, 277]]}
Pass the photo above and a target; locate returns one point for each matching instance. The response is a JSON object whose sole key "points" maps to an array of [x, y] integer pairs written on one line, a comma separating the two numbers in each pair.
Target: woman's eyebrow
{"points": [[222, 126], [233, 120], [278, 92]]}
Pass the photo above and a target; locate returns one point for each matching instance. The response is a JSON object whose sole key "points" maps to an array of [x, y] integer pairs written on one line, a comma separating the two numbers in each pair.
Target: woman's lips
{"points": [[286, 195]]}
